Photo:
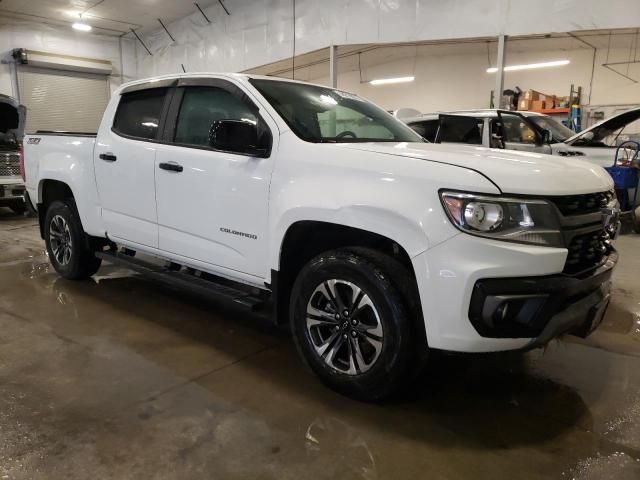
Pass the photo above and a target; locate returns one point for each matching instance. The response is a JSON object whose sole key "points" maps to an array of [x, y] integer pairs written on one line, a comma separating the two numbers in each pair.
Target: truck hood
{"points": [[512, 171]]}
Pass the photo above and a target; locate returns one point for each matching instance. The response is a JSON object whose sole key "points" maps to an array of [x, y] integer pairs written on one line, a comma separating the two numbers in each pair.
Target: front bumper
{"points": [[542, 307], [11, 191], [459, 276]]}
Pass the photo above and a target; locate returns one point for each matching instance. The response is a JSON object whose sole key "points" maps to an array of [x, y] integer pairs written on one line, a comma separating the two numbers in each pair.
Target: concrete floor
{"points": [[120, 378]]}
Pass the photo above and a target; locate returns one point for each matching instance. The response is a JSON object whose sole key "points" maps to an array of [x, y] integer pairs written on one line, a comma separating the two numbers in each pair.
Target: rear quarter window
{"points": [[138, 113]]}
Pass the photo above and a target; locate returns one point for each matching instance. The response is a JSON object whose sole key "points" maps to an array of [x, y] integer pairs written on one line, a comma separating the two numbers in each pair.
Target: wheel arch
{"points": [[50, 190], [305, 239]]}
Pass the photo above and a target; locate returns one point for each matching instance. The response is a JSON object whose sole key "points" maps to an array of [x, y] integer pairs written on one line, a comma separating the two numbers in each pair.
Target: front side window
{"points": [[138, 113], [558, 130], [319, 114], [201, 106], [517, 130]]}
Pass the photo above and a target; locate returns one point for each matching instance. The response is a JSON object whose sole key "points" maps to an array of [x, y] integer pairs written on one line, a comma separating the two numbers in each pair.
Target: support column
{"points": [[333, 83], [497, 93], [333, 66]]}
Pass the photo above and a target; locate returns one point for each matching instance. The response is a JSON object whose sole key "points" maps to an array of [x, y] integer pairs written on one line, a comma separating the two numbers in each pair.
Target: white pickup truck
{"points": [[375, 245]]}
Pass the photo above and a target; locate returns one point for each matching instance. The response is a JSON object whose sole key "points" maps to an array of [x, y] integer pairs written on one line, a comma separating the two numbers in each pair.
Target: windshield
{"points": [[319, 114], [558, 130]]}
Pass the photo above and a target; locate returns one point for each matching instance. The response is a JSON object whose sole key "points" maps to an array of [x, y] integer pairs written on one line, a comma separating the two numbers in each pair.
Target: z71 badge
{"points": [[34, 140]]}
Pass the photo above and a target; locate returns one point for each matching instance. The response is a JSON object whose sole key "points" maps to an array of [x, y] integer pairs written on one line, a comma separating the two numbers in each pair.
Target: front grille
{"points": [[586, 251], [9, 164], [582, 204]]}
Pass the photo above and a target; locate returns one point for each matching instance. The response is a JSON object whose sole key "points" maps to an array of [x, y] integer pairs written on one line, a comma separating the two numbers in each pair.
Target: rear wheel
{"points": [[351, 326], [68, 247]]}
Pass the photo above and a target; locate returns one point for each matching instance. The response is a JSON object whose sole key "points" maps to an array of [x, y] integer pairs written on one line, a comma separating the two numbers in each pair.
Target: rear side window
{"points": [[426, 129], [138, 113], [460, 129]]}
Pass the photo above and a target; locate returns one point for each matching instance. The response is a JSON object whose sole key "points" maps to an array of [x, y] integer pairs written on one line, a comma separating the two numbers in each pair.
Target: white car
{"points": [[373, 244], [600, 141], [530, 131]]}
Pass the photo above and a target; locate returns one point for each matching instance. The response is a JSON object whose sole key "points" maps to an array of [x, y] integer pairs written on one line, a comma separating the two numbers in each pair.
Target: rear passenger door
{"points": [[124, 159], [213, 205]]}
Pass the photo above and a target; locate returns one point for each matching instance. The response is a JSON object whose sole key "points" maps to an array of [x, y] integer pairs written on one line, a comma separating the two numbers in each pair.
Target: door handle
{"points": [[171, 166], [108, 157]]}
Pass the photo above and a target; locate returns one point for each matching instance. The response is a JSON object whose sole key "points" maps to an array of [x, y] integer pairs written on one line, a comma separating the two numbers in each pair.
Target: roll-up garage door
{"points": [[62, 100]]}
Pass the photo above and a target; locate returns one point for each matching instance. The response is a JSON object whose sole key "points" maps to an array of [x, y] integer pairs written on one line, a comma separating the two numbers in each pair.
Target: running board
{"points": [[188, 281]]}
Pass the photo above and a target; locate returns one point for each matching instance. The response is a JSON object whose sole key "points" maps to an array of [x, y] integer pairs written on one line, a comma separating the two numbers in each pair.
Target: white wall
{"points": [[62, 40], [449, 82], [260, 32]]}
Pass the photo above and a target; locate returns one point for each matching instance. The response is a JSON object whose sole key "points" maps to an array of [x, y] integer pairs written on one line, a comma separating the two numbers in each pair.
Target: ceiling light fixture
{"points": [[528, 66], [83, 27], [386, 81]]}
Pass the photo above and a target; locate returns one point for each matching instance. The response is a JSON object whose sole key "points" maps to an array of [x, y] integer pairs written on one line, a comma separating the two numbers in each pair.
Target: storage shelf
{"points": [[551, 111]]}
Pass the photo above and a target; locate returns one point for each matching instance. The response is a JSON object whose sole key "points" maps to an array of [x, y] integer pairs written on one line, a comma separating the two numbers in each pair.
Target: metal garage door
{"points": [[62, 100]]}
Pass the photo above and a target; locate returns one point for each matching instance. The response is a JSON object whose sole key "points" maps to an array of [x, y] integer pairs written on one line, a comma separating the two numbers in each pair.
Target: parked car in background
{"points": [[512, 130], [529, 131], [373, 244], [12, 118], [600, 141]]}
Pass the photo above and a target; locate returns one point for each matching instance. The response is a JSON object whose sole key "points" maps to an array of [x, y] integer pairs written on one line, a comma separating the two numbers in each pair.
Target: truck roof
{"points": [[229, 75]]}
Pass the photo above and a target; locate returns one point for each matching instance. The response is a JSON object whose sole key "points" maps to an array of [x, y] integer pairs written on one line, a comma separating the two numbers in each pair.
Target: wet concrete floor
{"points": [[121, 378]]}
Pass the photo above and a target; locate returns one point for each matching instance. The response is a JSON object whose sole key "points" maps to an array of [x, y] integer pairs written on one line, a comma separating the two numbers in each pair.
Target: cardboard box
{"points": [[524, 104], [550, 101], [537, 105], [531, 95]]}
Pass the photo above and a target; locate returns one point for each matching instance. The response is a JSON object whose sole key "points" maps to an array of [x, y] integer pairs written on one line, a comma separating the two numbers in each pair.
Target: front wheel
{"points": [[67, 245], [351, 326]]}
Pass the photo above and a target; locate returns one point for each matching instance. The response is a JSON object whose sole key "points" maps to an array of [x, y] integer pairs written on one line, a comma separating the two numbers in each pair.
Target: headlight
{"points": [[511, 219]]}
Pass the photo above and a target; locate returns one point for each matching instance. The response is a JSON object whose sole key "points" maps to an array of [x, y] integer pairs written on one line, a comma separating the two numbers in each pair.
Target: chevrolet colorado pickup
{"points": [[375, 246]]}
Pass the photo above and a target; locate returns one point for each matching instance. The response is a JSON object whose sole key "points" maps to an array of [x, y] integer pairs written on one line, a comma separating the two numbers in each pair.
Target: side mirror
{"points": [[547, 137], [236, 136]]}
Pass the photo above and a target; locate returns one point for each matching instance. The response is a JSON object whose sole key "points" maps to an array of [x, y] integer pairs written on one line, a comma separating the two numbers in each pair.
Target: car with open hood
{"points": [[12, 121]]}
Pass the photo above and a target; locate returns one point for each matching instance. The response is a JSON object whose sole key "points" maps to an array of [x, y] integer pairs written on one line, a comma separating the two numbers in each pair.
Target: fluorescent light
{"points": [[385, 81], [83, 27], [555, 63]]}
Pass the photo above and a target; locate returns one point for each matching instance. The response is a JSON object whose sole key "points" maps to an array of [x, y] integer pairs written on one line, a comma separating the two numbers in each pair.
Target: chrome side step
{"points": [[171, 276]]}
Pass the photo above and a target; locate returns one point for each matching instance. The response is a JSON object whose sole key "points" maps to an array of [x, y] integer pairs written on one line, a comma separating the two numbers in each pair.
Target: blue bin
{"points": [[623, 177]]}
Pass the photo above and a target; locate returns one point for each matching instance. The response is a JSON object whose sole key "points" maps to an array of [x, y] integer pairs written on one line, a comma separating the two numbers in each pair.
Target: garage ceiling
{"points": [[110, 17], [354, 57]]}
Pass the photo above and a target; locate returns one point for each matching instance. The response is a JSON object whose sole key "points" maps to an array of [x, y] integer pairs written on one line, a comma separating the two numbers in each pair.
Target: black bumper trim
{"points": [[542, 307]]}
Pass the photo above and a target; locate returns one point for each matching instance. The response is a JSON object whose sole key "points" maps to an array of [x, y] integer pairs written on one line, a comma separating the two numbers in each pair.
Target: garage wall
{"points": [[63, 40], [257, 33], [459, 81]]}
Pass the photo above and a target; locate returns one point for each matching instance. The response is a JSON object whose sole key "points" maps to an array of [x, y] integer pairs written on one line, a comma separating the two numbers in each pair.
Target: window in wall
{"points": [[138, 113], [201, 106]]}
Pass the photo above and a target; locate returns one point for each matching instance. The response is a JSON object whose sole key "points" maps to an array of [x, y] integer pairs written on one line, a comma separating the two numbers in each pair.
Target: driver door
{"points": [[213, 206]]}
